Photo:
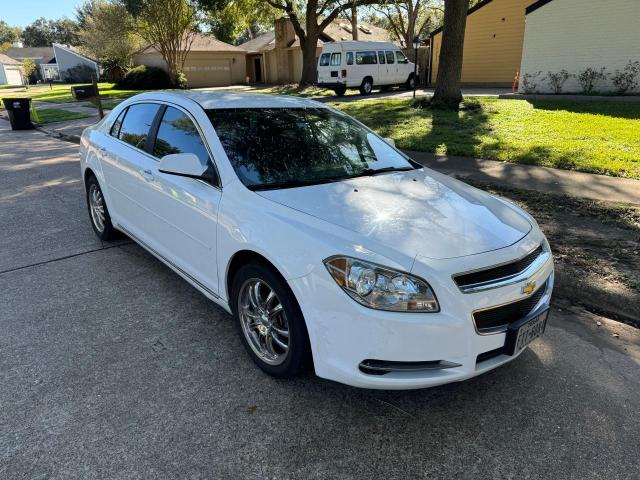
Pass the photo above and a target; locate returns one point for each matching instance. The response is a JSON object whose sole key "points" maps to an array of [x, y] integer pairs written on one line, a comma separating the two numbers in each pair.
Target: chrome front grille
{"points": [[502, 275]]}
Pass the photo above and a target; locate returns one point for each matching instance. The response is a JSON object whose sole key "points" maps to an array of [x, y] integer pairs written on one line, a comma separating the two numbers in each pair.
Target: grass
{"points": [[61, 93], [51, 115], [295, 90], [595, 137]]}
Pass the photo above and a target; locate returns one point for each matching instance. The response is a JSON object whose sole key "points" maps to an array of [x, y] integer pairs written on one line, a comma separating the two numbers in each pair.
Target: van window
{"points": [[366, 58], [390, 57], [349, 58], [324, 59], [381, 57], [401, 58], [336, 59]]}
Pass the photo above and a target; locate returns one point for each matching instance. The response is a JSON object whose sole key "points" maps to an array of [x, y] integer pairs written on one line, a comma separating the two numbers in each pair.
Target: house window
{"points": [[366, 58], [336, 59], [324, 59]]}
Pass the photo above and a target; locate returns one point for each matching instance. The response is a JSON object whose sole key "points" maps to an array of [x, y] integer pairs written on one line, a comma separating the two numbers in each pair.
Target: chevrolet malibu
{"points": [[328, 245]]}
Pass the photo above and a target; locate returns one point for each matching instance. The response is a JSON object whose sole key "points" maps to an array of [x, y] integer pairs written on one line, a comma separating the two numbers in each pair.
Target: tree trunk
{"points": [[354, 23], [309, 68], [447, 93]]}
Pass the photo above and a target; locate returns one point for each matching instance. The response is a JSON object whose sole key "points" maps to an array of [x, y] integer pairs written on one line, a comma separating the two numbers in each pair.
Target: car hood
{"points": [[418, 212]]}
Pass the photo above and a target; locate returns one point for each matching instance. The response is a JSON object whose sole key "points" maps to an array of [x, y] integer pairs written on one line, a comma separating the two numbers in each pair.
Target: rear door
{"points": [[324, 69], [392, 66], [182, 212]]}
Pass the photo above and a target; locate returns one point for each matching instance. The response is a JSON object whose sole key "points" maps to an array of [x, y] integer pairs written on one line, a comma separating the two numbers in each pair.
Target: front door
{"points": [[257, 69], [183, 212]]}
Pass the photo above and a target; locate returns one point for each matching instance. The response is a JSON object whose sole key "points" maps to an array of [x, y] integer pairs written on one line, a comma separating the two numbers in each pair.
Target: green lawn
{"points": [[51, 115], [61, 93], [596, 137], [294, 90]]}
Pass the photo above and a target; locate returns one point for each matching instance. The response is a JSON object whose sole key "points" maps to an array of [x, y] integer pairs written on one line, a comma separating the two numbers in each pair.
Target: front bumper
{"points": [[344, 334]]}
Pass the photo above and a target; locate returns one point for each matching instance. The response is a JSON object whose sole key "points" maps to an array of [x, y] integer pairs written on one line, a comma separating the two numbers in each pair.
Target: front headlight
{"points": [[382, 288]]}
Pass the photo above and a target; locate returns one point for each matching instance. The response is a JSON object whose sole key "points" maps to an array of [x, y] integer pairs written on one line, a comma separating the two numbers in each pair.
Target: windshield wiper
{"points": [[370, 172], [293, 183]]}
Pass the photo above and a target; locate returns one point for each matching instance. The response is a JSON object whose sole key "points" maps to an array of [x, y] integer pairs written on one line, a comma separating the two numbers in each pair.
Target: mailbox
{"points": [[84, 92]]}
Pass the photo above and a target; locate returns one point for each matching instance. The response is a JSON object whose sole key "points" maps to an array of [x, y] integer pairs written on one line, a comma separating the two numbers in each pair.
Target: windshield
{"points": [[279, 148]]}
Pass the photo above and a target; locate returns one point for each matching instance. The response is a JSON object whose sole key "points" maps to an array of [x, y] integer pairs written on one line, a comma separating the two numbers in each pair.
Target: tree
{"points": [[407, 18], [448, 94], [8, 35], [315, 15], [236, 21], [28, 68], [107, 34], [43, 32], [169, 26]]}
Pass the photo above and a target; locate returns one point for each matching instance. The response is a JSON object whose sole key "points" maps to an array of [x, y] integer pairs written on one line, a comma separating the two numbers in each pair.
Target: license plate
{"points": [[523, 335]]}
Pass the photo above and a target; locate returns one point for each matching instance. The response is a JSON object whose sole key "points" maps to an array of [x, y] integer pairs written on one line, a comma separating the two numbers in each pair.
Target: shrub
{"points": [[558, 79], [588, 78], [143, 77], [182, 81], [79, 74], [530, 82], [626, 80]]}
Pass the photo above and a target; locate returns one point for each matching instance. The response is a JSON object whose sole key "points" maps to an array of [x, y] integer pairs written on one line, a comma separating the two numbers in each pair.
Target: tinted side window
{"points": [[115, 128], [349, 58], [401, 58], [381, 57], [324, 59], [178, 134], [366, 58], [390, 58], [136, 124], [336, 59]]}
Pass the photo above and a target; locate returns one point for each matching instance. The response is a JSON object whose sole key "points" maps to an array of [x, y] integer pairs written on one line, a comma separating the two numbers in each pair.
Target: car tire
{"points": [[340, 91], [98, 211], [277, 322], [366, 87], [411, 82]]}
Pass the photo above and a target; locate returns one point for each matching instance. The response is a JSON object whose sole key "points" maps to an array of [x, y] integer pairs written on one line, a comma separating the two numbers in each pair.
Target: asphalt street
{"points": [[111, 366]]}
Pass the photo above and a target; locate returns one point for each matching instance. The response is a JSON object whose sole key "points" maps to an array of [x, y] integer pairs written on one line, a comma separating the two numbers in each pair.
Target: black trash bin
{"points": [[19, 110]]}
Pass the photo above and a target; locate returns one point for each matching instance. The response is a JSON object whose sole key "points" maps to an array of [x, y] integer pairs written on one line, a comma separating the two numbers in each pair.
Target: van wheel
{"points": [[340, 91], [411, 82], [366, 87]]}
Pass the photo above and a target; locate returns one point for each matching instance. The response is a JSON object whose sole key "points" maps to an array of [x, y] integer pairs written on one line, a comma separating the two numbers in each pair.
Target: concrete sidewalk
{"points": [[531, 177]]}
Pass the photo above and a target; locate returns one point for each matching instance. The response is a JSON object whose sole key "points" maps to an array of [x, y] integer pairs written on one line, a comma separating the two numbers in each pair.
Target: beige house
{"points": [[564, 35], [276, 56], [209, 63], [11, 72], [492, 43]]}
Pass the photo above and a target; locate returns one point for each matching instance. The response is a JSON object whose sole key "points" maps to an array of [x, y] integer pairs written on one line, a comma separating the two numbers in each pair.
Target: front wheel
{"points": [[270, 321], [411, 82]]}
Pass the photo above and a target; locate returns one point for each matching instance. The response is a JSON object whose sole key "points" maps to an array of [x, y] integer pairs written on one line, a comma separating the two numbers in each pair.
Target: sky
{"points": [[23, 12]]}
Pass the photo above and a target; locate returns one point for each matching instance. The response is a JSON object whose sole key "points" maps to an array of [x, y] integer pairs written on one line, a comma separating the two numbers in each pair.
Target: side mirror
{"points": [[390, 141], [184, 165]]}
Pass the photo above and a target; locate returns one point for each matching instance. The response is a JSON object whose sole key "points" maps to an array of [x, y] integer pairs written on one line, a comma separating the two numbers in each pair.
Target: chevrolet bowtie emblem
{"points": [[529, 288]]}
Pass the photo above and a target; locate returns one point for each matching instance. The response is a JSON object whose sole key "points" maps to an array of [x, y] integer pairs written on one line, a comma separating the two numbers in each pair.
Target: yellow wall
{"points": [[492, 43]]}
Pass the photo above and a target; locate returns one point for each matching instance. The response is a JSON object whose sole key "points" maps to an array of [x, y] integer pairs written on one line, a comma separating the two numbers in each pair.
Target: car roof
{"points": [[229, 99]]}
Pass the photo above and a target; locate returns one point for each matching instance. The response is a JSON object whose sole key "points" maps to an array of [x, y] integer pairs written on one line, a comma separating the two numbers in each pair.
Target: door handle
{"points": [[147, 174]]}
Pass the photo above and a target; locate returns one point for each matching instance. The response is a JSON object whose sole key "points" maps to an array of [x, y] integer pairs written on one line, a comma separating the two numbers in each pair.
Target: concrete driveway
{"points": [[112, 367]]}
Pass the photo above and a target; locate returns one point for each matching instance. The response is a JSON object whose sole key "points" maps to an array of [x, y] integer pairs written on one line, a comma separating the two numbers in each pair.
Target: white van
{"points": [[363, 65]]}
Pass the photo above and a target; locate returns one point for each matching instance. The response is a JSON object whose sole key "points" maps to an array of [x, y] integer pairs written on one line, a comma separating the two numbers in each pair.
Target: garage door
{"points": [[13, 76], [208, 73]]}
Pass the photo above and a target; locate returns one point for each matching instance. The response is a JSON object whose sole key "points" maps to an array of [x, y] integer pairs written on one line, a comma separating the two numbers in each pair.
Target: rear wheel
{"points": [[98, 211], [366, 87], [270, 321]]}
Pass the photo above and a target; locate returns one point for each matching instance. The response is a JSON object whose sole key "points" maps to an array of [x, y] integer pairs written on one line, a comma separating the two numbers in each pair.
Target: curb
{"points": [[61, 136]]}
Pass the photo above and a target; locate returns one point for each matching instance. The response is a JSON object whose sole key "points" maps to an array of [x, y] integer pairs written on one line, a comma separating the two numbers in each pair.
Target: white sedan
{"points": [[329, 246]]}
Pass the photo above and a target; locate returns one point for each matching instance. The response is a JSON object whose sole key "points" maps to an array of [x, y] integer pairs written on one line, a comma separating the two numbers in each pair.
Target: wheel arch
{"points": [[244, 257]]}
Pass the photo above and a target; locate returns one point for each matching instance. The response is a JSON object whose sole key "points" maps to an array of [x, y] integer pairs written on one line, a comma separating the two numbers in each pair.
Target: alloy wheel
{"points": [[96, 206], [264, 321]]}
